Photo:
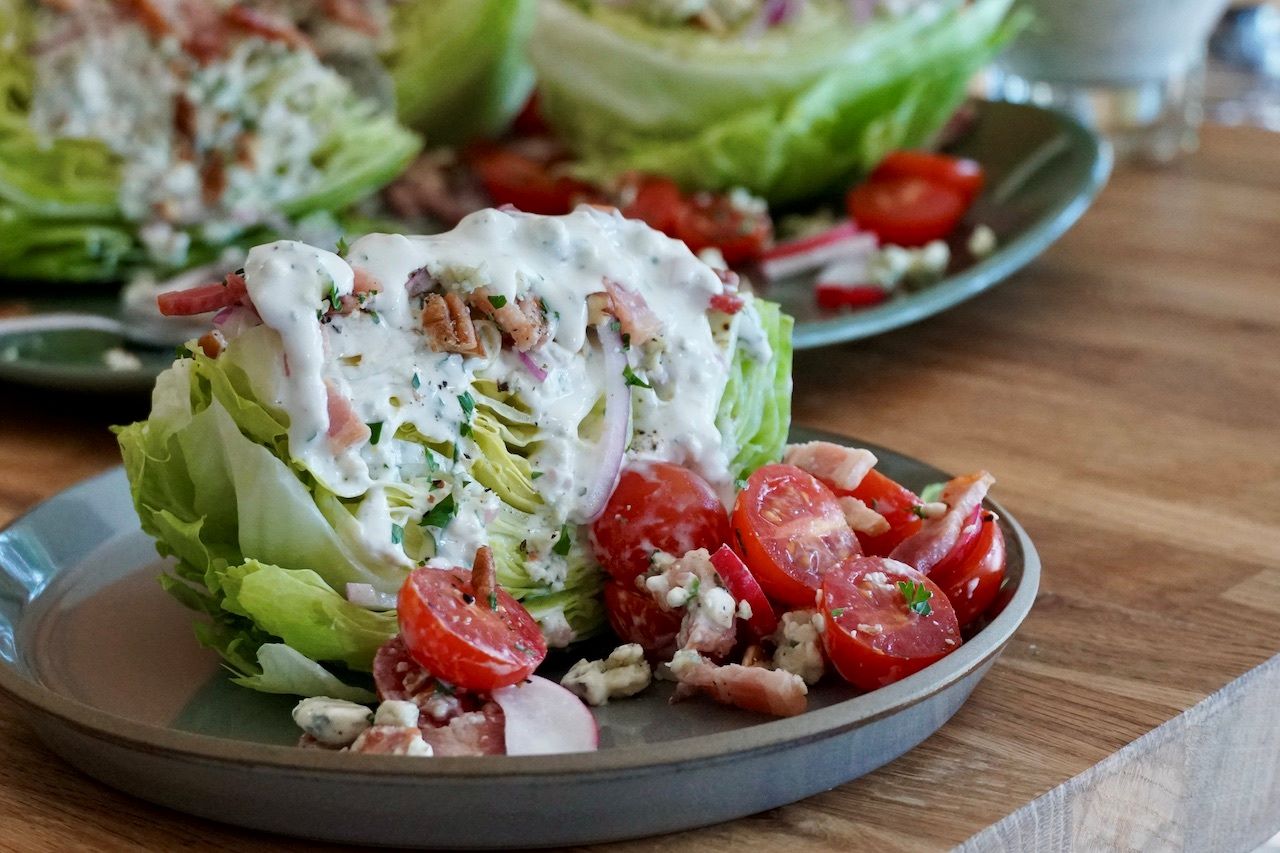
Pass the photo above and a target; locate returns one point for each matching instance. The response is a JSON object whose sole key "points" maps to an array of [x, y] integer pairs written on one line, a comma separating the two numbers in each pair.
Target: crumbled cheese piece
{"points": [[393, 740], [118, 358], [396, 712], [744, 609], [982, 242], [879, 579], [932, 509], [797, 649], [873, 630], [819, 622], [719, 605], [624, 673], [556, 629], [334, 722]]}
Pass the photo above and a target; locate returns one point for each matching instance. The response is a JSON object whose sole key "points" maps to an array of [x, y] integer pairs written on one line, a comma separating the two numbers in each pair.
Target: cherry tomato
{"points": [[510, 177], [636, 618], [656, 507], [657, 201], [906, 211], [529, 121], [743, 586], [711, 219], [833, 297], [893, 501], [873, 636], [790, 530], [973, 581], [465, 641], [959, 173]]}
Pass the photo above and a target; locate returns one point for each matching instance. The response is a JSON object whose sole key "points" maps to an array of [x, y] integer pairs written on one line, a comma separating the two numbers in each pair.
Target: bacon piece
{"points": [[521, 320], [345, 426], [484, 576], [448, 325], [863, 518], [264, 24], [925, 548], [212, 343], [184, 126], [473, 733], [392, 740], [632, 312], [203, 298], [766, 691], [363, 286], [353, 15], [838, 467], [213, 178], [151, 16]]}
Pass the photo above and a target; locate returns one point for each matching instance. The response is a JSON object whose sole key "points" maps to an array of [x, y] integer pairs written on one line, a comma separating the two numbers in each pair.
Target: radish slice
{"points": [[743, 586], [543, 718], [535, 370], [364, 595], [844, 242], [613, 437]]}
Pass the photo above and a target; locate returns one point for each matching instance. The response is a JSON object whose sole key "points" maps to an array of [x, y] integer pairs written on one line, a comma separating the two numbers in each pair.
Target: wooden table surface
{"points": [[1125, 389]]}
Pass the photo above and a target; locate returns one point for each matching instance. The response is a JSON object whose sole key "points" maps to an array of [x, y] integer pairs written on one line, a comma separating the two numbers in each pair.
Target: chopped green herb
{"points": [[562, 544], [931, 492], [918, 511], [397, 534], [837, 612], [498, 301], [626, 341], [917, 597], [181, 351], [375, 431], [616, 326], [692, 588], [740, 483], [374, 315], [468, 404], [632, 379], [334, 298], [342, 246], [416, 382], [493, 600], [533, 475], [444, 687], [440, 514]]}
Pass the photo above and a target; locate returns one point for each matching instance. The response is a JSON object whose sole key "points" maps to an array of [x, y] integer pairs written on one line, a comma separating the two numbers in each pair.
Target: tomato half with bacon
{"points": [[460, 638], [884, 621], [790, 530], [657, 506], [971, 580], [636, 618]]}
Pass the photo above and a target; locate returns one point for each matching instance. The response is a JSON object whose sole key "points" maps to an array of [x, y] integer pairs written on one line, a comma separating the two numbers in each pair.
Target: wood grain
{"points": [[1125, 389]]}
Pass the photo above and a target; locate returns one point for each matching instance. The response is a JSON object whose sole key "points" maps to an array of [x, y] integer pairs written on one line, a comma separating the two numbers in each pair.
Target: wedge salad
{"points": [[415, 464]]}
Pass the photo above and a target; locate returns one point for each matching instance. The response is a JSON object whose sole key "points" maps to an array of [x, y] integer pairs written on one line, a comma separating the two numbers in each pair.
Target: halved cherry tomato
{"points": [[959, 173], [636, 618], [833, 297], [656, 506], [895, 502], [743, 586], [790, 530], [711, 219], [973, 581], [657, 201], [510, 177], [477, 645], [872, 636], [906, 211]]}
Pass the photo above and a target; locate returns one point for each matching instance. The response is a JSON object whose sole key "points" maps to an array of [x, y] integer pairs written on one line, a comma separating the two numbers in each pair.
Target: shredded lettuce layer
{"points": [[788, 116]]}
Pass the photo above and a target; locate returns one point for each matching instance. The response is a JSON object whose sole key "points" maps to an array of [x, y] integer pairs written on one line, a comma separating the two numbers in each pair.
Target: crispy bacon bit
{"points": [[448, 325], [484, 576], [755, 656], [924, 549], [363, 286], [212, 343], [213, 178], [266, 25], [521, 320], [838, 467], [184, 126], [247, 149], [204, 298], [632, 312], [729, 303], [352, 14], [766, 691], [345, 426], [863, 518], [473, 733], [151, 15]]}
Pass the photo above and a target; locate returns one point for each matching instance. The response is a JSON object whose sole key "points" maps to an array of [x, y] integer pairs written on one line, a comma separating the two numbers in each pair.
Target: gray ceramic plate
{"points": [[1043, 170], [106, 669]]}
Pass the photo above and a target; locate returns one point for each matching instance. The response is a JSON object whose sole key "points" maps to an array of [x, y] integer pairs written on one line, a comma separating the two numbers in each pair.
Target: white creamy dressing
{"points": [[373, 356]]}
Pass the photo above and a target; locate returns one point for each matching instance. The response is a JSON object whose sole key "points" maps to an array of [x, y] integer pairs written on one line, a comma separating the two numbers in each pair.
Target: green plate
{"points": [[1043, 171]]}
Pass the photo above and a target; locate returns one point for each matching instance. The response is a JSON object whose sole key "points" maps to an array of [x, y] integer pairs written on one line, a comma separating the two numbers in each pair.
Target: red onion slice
{"points": [[542, 718], [364, 595], [534, 368], [613, 436]]}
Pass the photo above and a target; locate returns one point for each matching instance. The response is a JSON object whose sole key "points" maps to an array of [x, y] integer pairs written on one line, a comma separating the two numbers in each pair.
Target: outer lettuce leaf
{"points": [[755, 411], [459, 66], [891, 85], [285, 670]]}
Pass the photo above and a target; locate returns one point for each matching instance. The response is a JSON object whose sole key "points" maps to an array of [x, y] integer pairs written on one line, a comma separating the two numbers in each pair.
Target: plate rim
{"points": [[819, 724]]}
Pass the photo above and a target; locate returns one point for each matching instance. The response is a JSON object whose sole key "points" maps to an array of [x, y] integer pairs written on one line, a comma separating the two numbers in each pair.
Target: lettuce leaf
{"points": [[459, 66], [785, 124], [755, 411]]}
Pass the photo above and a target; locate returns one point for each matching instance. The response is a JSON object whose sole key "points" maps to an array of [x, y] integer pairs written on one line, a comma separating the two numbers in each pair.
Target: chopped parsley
{"points": [[342, 246], [334, 298], [440, 514], [931, 492], [562, 544], [374, 315], [375, 431], [918, 511], [917, 597], [397, 534], [837, 612], [416, 382], [626, 341], [468, 404], [632, 379], [493, 600], [533, 475], [498, 301]]}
